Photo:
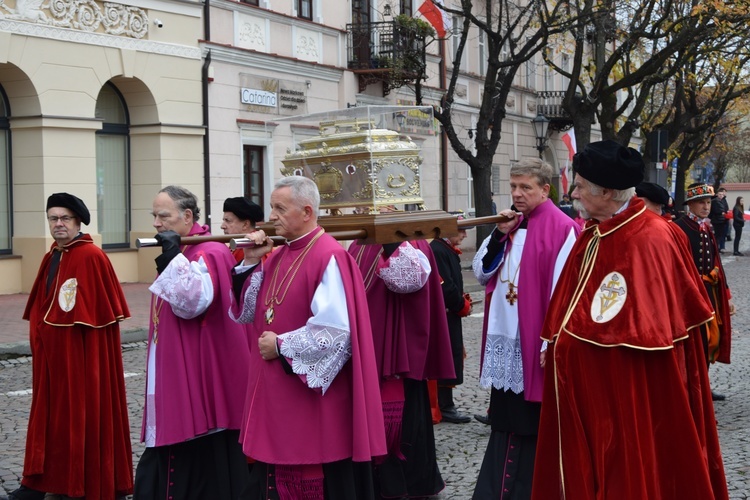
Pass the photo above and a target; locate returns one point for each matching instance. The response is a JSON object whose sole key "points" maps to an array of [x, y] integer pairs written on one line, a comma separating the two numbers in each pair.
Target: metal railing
{"points": [[384, 45], [549, 104]]}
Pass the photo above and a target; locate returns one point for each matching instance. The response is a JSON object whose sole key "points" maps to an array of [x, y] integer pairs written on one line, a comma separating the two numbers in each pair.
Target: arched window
{"points": [[6, 221], [113, 169]]}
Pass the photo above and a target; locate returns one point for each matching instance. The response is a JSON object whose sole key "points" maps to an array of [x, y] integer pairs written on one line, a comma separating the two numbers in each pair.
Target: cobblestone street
{"points": [[460, 447]]}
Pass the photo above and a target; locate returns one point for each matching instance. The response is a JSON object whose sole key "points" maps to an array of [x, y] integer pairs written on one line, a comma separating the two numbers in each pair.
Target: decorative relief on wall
{"points": [[307, 45], [100, 39], [85, 15], [251, 33], [510, 102]]}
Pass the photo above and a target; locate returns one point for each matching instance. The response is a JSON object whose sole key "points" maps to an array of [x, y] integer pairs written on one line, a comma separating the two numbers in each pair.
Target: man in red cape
{"points": [[625, 393], [78, 444]]}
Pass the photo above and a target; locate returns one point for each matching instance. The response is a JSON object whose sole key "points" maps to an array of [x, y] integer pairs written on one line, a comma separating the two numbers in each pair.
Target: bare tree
{"points": [[514, 32], [623, 51]]}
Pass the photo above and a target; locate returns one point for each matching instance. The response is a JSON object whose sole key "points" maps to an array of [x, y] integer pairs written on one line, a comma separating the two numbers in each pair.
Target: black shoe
{"points": [[717, 397], [24, 493], [453, 416], [485, 419], [739, 254]]}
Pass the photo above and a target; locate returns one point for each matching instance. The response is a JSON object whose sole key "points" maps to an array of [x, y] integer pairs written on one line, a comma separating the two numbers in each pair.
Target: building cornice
{"points": [[272, 62], [119, 42]]}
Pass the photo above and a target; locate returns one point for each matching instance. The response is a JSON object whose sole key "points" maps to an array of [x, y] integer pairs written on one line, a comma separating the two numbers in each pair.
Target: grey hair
{"points": [[621, 195], [534, 167], [304, 191], [184, 199]]}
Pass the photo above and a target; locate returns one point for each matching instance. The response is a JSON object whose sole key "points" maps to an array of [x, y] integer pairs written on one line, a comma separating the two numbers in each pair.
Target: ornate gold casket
{"points": [[360, 160]]}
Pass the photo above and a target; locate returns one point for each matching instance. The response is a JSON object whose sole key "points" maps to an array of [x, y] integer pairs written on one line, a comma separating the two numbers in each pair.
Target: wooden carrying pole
{"points": [[389, 227]]}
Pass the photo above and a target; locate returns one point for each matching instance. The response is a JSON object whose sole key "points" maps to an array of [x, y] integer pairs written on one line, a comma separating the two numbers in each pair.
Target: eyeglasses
{"points": [[64, 219]]}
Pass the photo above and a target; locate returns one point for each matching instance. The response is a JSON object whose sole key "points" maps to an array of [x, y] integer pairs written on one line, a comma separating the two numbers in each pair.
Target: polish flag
{"points": [[569, 138], [438, 18]]}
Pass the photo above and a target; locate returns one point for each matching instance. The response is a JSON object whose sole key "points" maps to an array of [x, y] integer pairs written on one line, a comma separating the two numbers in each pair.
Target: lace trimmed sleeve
{"points": [[477, 265], [245, 313], [406, 271], [186, 286], [320, 349]]}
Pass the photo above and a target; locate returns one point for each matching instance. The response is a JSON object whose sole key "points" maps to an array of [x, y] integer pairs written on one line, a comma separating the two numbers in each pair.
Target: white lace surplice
{"points": [[320, 349], [187, 287], [406, 272], [250, 297], [502, 367]]}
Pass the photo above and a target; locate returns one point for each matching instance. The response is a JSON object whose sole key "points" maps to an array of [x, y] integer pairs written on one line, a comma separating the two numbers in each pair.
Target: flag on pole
{"points": [[437, 17], [569, 138]]}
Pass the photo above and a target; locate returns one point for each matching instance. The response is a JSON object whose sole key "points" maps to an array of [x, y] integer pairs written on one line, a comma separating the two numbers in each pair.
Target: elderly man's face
{"points": [[700, 208], [527, 193], [287, 216], [587, 203], [64, 225], [167, 217], [231, 224]]}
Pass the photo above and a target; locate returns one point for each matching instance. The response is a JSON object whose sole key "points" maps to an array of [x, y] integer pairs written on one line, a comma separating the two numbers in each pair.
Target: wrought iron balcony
{"points": [[385, 51], [549, 104]]}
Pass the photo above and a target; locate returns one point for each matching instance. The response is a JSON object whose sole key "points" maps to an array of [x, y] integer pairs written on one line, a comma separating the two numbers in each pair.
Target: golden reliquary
{"points": [[356, 164]]}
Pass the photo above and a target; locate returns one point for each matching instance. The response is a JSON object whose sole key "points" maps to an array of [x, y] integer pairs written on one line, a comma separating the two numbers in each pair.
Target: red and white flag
{"points": [[569, 138], [437, 17]]}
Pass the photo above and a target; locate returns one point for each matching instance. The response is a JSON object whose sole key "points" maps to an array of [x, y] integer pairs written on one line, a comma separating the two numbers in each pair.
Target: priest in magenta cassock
{"points": [[312, 419], [196, 365], [412, 345], [624, 376], [519, 262], [78, 443]]}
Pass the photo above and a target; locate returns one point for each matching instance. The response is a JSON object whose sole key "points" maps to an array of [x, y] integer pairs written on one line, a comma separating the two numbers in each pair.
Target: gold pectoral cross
{"points": [[511, 296], [269, 315]]}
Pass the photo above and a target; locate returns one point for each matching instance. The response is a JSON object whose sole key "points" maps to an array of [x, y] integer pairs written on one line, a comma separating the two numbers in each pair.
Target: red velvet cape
{"points": [[625, 406], [79, 438]]}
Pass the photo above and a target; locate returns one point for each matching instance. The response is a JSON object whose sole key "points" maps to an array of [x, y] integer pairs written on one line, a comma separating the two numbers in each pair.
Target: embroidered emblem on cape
{"points": [[67, 296], [609, 298]]}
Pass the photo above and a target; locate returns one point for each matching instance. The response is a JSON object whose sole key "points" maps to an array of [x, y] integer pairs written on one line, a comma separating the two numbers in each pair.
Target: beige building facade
{"points": [[113, 101], [269, 60], [102, 100]]}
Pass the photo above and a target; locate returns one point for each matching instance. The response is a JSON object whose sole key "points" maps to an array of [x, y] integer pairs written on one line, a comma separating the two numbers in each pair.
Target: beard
{"points": [[581, 211]]}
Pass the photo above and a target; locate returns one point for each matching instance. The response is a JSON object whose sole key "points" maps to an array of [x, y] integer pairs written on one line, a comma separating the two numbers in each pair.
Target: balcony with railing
{"points": [[549, 104], [387, 52]]}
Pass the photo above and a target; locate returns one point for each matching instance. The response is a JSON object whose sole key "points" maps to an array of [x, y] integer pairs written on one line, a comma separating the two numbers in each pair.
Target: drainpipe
{"points": [[206, 149]]}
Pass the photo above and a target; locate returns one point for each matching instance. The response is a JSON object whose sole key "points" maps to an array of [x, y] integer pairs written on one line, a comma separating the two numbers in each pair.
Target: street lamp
{"points": [[541, 125]]}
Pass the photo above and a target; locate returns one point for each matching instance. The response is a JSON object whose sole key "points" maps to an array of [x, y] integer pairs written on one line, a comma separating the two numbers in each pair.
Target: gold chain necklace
{"points": [[272, 294], [370, 275], [512, 295], [156, 306]]}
